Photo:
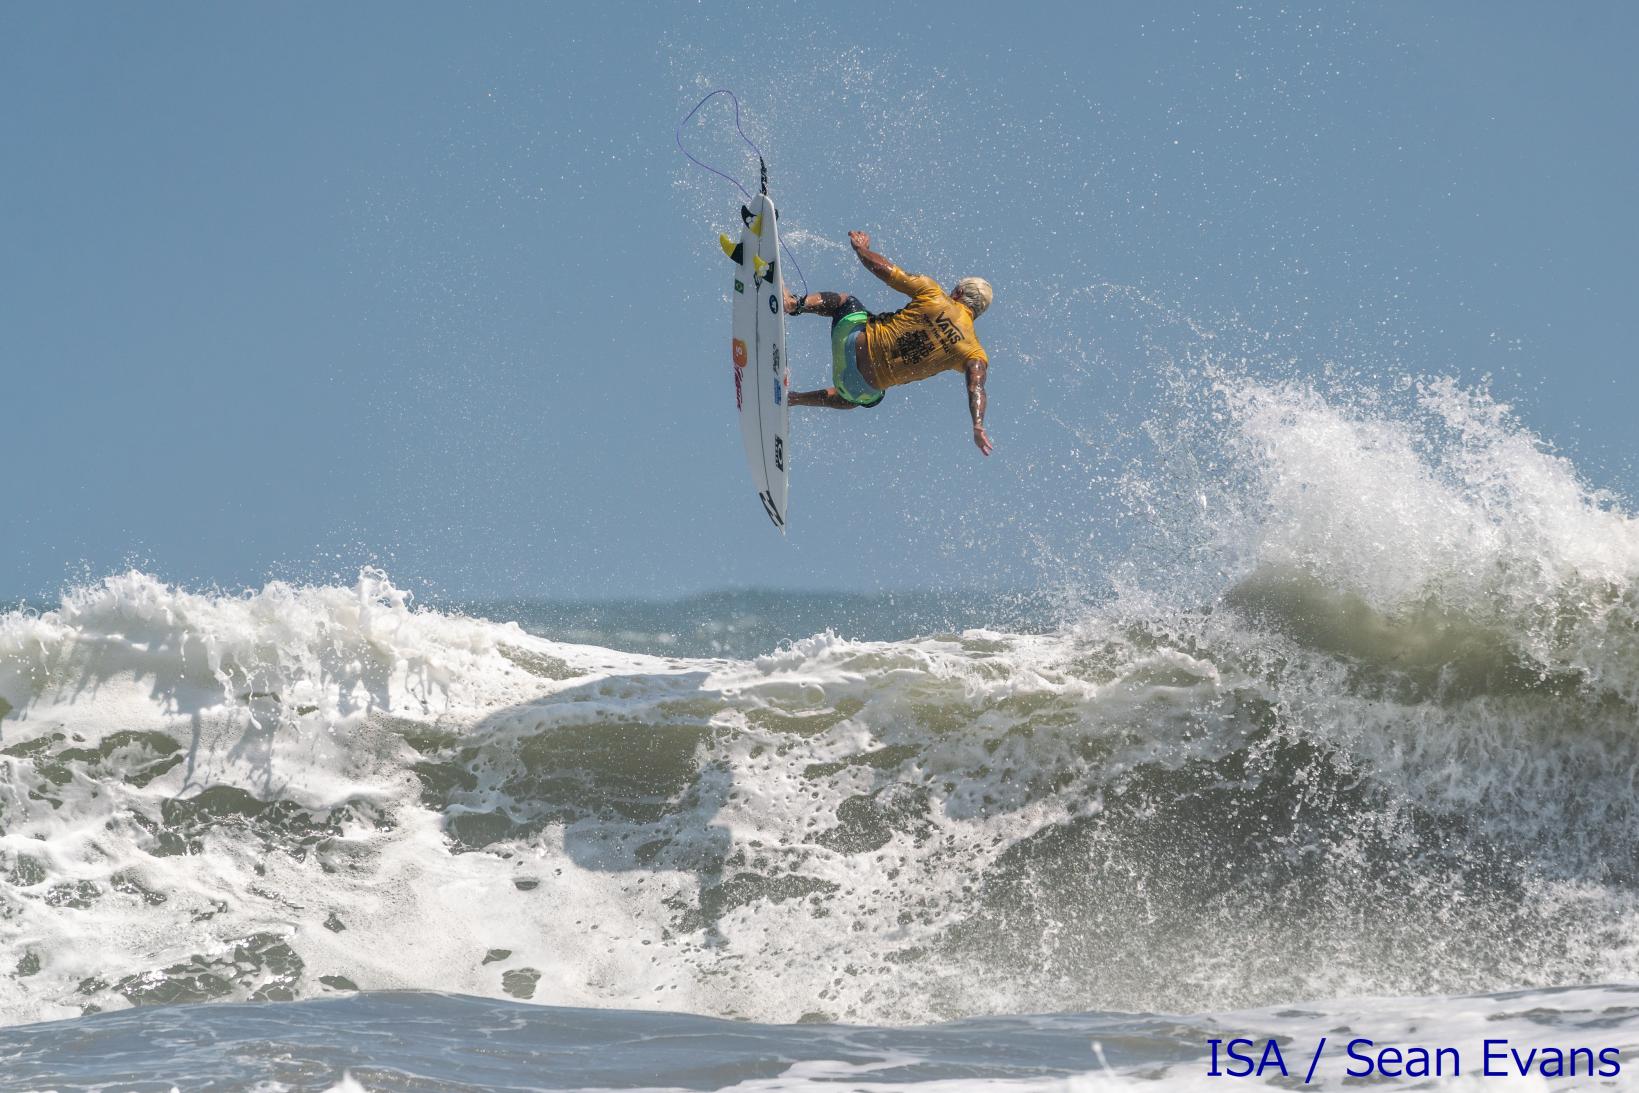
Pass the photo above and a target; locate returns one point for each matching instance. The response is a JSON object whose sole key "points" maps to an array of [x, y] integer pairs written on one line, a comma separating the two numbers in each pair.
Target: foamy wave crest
{"points": [[1454, 509]]}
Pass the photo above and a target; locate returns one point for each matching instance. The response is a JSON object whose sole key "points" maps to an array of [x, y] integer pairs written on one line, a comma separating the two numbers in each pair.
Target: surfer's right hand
{"points": [[982, 440], [861, 241]]}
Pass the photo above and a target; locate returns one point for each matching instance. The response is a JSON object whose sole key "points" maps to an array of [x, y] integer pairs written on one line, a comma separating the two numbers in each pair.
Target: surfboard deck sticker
{"points": [[761, 378]]}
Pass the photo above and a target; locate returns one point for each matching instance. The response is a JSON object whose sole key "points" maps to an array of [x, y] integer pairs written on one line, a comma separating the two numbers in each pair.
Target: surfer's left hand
{"points": [[982, 439]]}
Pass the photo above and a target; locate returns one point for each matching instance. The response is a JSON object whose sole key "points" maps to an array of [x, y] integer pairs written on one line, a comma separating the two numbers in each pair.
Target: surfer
{"points": [[931, 334]]}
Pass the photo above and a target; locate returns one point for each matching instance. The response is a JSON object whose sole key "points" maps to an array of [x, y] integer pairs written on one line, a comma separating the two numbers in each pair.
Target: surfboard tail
{"points": [[773, 512]]}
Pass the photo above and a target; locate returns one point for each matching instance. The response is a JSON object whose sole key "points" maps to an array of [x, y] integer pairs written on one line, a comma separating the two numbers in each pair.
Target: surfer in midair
{"points": [[931, 334]]}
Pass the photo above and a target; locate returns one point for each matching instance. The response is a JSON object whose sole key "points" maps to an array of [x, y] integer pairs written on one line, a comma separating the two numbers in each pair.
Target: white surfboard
{"points": [[761, 379]]}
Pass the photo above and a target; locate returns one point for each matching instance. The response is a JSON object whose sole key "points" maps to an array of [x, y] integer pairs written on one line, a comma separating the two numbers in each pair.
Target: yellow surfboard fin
{"points": [[756, 224], [727, 244], [760, 266]]}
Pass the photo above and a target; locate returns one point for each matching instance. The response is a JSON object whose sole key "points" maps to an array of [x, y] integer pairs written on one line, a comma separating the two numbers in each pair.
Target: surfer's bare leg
{"points": [[827, 397], [828, 304]]}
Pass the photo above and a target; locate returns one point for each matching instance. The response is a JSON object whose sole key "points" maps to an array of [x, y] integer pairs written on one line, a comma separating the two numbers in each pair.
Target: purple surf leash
{"points": [[762, 165]]}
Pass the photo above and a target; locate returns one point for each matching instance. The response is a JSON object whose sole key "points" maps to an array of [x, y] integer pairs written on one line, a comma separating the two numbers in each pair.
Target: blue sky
{"points": [[292, 288]]}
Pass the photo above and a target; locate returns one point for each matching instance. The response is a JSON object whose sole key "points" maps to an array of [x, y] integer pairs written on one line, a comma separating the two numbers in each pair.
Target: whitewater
{"points": [[1349, 745]]}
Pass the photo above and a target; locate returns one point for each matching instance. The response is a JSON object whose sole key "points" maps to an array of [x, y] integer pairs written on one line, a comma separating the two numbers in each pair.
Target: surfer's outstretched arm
{"points": [[869, 258], [827, 397], [976, 372]]}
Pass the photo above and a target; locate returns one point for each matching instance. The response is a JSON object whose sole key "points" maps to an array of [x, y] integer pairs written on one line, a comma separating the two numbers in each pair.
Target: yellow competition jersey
{"points": [[931, 334]]}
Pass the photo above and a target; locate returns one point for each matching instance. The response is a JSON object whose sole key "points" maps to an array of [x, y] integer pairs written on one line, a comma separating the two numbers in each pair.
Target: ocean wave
{"points": [[1386, 721]]}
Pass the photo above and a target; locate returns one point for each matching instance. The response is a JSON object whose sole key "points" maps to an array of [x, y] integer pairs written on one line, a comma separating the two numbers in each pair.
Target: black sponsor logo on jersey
{"points": [[947, 332], [914, 346]]}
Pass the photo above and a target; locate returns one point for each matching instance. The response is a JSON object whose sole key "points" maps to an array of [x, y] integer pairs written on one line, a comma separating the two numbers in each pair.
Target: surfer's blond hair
{"points": [[975, 292]]}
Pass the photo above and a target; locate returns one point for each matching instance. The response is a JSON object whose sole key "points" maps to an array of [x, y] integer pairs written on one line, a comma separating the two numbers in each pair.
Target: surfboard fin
{"points": [[735, 251], [761, 268]]}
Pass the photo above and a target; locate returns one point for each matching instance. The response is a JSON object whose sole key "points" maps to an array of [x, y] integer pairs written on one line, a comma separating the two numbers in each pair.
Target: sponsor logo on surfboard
{"points": [[739, 285], [773, 308], [779, 452], [739, 371]]}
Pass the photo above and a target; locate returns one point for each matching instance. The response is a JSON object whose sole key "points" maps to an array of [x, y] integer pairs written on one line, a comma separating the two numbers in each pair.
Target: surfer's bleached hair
{"points": [[975, 292]]}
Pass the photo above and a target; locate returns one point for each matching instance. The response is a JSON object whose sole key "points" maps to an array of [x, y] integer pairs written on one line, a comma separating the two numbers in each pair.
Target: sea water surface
{"points": [[1354, 757]]}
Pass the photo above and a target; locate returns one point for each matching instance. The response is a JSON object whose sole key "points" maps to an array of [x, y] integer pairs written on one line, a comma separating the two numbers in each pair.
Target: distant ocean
{"points": [[1351, 754]]}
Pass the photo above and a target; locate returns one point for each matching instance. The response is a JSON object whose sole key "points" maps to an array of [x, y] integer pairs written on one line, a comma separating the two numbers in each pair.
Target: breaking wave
{"points": [[1363, 722]]}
